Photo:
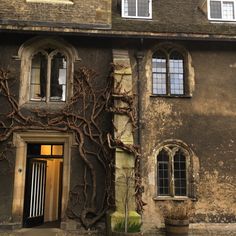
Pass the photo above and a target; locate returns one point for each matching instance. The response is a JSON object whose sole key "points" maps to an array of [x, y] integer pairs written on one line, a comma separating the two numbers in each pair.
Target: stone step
{"points": [[33, 232]]}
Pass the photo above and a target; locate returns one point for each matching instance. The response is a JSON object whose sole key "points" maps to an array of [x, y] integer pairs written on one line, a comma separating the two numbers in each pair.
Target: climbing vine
{"points": [[84, 115]]}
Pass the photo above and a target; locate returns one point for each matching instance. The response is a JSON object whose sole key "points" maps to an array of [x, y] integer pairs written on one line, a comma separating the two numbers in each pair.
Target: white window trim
{"points": [[221, 19], [136, 17]]}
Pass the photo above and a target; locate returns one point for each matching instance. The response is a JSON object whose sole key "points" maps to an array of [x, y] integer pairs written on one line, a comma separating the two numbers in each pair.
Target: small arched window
{"points": [[173, 170], [47, 66], [168, 73]]}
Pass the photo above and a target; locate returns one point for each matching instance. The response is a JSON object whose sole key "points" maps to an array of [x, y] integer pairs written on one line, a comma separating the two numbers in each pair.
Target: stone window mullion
{"points": [[48, 80]]}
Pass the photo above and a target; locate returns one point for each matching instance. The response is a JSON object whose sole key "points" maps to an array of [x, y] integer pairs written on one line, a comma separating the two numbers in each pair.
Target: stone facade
{"points": [[88, 14], [204, 122], [119, 53]]}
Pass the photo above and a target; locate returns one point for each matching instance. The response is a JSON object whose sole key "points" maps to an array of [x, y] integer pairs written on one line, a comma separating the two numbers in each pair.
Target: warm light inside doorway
{"points": [[51, 150], [45, 150]]}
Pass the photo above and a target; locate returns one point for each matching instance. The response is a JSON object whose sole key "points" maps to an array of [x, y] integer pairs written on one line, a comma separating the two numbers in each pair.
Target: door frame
{"points": [[20, 141]]}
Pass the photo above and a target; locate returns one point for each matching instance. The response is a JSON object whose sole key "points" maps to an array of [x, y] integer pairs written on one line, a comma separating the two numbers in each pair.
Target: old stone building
{"points": [[94, 94]]}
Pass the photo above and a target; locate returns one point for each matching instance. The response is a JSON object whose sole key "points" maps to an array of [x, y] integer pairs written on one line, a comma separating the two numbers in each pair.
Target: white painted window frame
{"points": [[221, 19], [136, 16]]}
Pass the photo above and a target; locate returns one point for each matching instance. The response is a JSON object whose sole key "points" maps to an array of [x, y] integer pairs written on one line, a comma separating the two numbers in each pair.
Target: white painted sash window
{"points": [[221, 10], [137, 9]]}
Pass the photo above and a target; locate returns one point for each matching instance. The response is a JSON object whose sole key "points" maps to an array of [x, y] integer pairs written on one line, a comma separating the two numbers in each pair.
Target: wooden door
{"points": [[34, 192]]}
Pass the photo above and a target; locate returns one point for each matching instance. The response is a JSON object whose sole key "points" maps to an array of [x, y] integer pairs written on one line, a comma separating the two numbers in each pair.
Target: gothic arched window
{"points": [[170, 72], [47, 66], [173, 169]]}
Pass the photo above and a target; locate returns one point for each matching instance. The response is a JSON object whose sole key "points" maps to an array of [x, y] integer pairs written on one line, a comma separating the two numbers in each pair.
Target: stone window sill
{"points": [[163, 198], [43, 105], [170, 96]]}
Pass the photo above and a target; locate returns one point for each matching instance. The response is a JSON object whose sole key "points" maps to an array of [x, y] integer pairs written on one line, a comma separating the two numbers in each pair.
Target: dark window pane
{"points": [[163, 173], [177, 183], [33, 149], [38, 80], [165, 191], [177, 192], [177, 174], [143, 8], [180, 174], [165, 182], [58, 78], [183, 192], [163, 156], [215, 9], [176, 166], [180, 157], [182, 165]]}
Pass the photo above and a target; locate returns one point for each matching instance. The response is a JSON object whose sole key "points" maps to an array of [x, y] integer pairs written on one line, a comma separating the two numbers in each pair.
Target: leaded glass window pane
{"points": [[159, 73], [38, 80], [228, 10], [176, 73], [215, 9], [130, 7], [163, 173], [143, 8], [180, 180]]}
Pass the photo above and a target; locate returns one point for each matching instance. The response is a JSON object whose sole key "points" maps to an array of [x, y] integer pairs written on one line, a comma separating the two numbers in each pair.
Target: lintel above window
{"points": [[222, 10], [137, 9]]}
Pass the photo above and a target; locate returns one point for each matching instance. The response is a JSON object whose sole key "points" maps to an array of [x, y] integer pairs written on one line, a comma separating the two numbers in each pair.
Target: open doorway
{"points": [[43, 184]]}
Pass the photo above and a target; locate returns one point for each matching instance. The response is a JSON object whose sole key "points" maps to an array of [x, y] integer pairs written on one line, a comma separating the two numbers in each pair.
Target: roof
{"points": [[174, 17], [177, 19]]}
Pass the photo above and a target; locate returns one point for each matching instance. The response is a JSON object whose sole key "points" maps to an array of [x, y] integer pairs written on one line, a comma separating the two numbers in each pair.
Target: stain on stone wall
{"points": [[204, 121], [216, 194]]}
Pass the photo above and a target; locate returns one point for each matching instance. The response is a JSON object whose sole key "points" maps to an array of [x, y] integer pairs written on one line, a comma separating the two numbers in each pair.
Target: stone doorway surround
{"points": [[20, 140]]}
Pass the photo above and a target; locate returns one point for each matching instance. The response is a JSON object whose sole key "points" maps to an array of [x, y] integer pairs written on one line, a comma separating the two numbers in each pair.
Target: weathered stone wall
{"points": [[86, 13], [95, 57], [205, 122]]}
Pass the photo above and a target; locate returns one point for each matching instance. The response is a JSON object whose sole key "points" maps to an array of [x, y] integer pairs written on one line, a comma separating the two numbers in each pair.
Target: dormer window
{"points": [[137, 9], [221, 10]]}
